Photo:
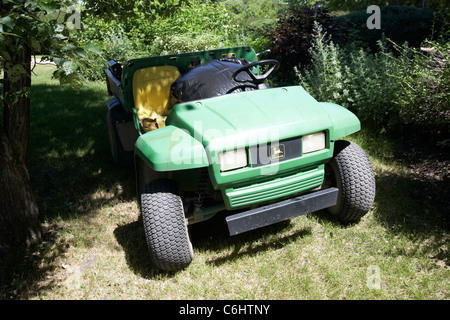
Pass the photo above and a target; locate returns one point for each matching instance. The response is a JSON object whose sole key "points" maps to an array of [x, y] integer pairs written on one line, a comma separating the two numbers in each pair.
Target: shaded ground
{"points": [[430, 165]]}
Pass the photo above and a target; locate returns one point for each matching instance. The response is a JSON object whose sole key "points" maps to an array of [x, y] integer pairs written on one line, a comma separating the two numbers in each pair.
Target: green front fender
{"points": [[345, 122], [170, 149]]}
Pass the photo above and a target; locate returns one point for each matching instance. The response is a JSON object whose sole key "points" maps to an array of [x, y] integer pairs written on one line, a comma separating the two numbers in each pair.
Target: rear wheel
{"points": [[121, 157], [165, 228], [350, 170]]}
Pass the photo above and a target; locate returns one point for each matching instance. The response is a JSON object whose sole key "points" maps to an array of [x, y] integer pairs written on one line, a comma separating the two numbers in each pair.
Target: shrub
{"points": [[255, 18], [196, 25], [260, 44], [424, 78], [392, 94], [115, 44], [293, 35], [179, 43], [325, 78], [372, 88], [118, 46]]}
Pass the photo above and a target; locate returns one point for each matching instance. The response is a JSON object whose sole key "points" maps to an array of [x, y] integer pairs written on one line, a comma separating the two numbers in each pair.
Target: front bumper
{"points": [[277, 212]]}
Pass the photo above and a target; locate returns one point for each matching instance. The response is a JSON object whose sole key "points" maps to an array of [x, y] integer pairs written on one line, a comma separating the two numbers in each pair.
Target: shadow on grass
{"points": [[210, 235], [417, 208], [412, 206], [22, 270], [131, 238], [72, 173], [213, 235], [69, 157]]}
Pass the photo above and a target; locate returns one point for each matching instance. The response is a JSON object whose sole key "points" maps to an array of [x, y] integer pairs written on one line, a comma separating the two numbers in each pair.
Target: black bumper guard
{"points": [[280, 211]]}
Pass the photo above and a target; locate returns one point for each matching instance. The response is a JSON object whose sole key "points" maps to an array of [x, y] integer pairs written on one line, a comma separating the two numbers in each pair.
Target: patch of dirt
{"points": [[433, 168], [429, 165], [424, 158]]}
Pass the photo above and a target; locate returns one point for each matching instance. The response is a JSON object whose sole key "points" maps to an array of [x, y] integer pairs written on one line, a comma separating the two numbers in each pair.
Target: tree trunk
{"points": [[19, 215]]}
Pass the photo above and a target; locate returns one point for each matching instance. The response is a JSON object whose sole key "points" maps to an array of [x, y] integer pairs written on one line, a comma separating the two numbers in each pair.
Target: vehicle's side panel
{"points": [[344, 121], [170, 149]]}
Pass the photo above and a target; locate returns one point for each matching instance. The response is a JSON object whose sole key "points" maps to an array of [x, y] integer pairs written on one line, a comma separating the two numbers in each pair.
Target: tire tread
{"points": [[164, 225]]}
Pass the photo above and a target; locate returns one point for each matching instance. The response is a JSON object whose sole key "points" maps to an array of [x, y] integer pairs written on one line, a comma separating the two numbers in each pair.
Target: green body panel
{"points": [[169, 149], [344, 121]]}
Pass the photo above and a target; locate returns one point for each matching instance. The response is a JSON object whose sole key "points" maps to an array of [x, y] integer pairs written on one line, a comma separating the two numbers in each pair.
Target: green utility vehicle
{"points": [[206, 134]]}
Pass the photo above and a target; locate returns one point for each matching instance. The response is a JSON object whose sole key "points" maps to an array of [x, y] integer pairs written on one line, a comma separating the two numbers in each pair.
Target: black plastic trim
{"points": [[280, 211]]}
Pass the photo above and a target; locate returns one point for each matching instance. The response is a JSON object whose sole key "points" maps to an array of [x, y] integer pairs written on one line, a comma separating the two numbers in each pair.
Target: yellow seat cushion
{"points": [[152, 96]]}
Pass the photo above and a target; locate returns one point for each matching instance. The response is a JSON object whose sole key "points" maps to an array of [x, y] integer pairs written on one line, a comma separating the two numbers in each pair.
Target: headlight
{"points": [[313, 142], [233, 159]]}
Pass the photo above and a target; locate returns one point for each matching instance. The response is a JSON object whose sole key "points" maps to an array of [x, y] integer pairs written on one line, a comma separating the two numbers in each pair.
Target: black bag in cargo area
{"points": [[214, 78]]}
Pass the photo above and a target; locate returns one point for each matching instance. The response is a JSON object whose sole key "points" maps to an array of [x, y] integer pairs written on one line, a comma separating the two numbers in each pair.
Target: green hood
{"points": [[248, 118]]}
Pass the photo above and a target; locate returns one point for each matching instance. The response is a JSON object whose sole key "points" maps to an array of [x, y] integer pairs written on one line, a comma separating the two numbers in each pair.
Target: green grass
{"points": [[94, 245]]}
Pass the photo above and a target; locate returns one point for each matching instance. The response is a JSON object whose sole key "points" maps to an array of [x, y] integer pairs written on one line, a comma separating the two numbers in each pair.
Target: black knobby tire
{"points": [[164, 224], [350, 170]]}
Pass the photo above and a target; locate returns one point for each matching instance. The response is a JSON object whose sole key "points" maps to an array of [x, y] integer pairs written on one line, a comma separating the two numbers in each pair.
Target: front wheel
{"points": [[165, 228], [350, 170]]}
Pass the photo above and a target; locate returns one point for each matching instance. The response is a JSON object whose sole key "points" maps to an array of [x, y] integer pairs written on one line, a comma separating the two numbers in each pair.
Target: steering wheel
{"points": [[257, 79]]}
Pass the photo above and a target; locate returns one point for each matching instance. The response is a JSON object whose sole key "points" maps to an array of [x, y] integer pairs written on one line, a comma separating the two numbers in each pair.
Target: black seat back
{"points": [[214, 78]]}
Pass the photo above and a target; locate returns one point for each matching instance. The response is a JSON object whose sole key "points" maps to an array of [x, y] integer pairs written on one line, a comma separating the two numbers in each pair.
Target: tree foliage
{"points": [[398, 23], [123, 10], [255, 17]]}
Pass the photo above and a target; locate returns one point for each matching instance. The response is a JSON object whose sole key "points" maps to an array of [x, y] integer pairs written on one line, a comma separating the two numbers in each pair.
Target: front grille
{"points": [[275, 188]]}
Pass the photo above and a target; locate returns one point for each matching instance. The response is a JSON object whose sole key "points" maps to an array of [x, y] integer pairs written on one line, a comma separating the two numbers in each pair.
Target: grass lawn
{"points": [[94, 245]]}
